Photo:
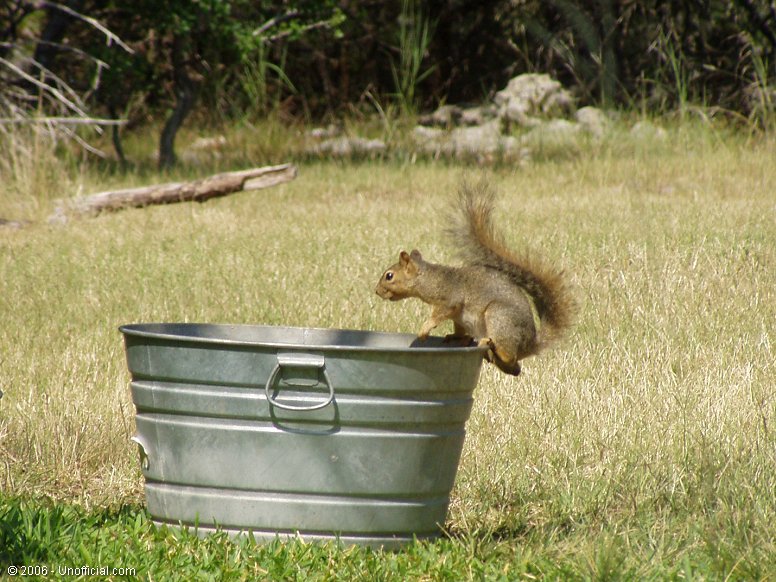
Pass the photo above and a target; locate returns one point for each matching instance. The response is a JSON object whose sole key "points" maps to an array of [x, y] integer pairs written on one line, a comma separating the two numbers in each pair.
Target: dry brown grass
{"points": [[656, 413]]}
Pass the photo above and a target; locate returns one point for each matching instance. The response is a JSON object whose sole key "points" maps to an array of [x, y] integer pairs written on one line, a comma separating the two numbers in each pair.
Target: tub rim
{"points": [[153, 330]]}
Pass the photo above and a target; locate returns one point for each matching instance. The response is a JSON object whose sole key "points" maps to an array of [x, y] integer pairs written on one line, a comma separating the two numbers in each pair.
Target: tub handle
{"points": [[296, 360]]}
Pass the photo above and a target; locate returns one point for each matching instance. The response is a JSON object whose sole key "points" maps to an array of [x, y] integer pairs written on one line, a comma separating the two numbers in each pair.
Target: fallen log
{"points": [[169, 193], [6, 223]]}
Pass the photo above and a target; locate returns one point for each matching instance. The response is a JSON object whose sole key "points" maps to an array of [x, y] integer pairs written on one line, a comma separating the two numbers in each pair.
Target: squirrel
{"points": [[513, 305]]}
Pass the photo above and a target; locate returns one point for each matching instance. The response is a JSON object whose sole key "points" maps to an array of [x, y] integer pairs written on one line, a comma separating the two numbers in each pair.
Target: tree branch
{"points": [[275, 21], [111, 37], [197, 191], [61, 120], [45, 87], [303, 30]]}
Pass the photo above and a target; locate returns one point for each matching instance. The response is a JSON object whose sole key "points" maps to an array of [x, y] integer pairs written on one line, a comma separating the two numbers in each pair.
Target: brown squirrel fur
{"points": [[513, 305]]}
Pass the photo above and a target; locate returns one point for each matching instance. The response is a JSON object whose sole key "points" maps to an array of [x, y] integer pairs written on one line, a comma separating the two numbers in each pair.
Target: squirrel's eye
{"points": [[389, 276]]}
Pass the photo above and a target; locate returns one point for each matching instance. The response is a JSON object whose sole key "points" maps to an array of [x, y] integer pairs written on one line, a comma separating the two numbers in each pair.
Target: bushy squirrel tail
{"points": [[483, 245]]}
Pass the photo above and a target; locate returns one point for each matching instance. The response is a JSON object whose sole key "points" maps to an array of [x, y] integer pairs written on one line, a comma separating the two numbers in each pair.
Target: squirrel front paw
{"points": [[487, 343]]}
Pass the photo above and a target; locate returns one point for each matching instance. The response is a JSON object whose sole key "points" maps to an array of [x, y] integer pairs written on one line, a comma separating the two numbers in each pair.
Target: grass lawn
{"points": [[641, 448]]}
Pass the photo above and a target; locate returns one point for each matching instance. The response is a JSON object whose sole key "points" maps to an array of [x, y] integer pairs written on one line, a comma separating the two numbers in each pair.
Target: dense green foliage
{"points": [[330, 54], [307, 59]]}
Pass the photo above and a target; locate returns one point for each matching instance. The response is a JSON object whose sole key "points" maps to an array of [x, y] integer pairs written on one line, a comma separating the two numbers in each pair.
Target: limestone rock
{"points": [[644, 130], [342, 147], [204, 149], [327, 132], [479, 115], [481, 142], [445, 116], [531, 96], [556, 133], [592, 120]]}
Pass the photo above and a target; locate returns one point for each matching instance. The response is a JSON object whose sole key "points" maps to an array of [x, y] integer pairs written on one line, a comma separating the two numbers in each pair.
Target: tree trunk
{"points": [[186, 96], [116, 138], [57, 22]]}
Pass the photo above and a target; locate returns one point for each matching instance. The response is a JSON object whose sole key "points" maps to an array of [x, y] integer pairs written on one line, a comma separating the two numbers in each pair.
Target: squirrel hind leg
{"points": [[513, 368], [505, 360], [507, 363]]}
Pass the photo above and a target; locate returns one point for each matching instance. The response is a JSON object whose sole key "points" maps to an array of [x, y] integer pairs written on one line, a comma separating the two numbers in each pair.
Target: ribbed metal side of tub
{"points": [[327, 434]]}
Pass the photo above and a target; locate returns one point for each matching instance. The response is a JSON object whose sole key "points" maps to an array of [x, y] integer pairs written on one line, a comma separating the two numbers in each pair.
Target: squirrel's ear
{"points": [[404, 257], [415, 255]]}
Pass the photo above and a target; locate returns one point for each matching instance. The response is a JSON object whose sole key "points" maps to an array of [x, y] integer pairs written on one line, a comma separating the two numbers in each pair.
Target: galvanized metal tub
{"points": [[322, 433]]}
